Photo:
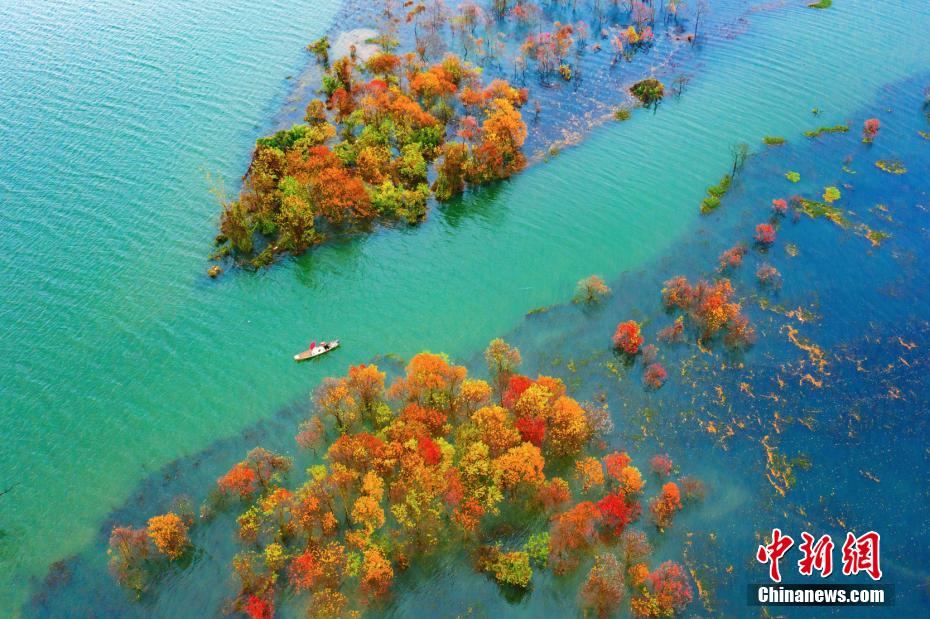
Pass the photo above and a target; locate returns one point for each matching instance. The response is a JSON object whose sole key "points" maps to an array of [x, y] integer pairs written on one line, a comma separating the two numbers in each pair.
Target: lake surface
{"points": [[119, 356]]}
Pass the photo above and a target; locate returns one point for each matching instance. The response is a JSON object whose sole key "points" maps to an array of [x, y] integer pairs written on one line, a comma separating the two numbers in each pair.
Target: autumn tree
{"points": [[661, 465], [627, 338], [618, 511], [128, 551], [604, 589], [498, 154], [366, 383], [168, 533], [503, 360], [495, 427], [654, 376], [430, 380], [590, 472], [473, 394], [712, 308], [312, 433], [666, 592], [377, 573], [568, 428], [512, 568], [666, 505], [765, 234], [334, 399], [452, 170], [521, 467], [591, 290], [239, 480], [870, 129], [625, 477], [573, 533]]}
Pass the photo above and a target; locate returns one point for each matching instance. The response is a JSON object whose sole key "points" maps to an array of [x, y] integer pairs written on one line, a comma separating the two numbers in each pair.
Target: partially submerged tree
{"points": [[649, 92]]}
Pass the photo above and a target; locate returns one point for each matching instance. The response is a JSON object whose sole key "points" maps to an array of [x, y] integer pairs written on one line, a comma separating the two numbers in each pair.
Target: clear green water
{"points": [[118, 355]]}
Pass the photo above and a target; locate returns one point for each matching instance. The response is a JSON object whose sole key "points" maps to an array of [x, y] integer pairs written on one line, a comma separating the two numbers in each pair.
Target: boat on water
{"points": [[316, 349]]}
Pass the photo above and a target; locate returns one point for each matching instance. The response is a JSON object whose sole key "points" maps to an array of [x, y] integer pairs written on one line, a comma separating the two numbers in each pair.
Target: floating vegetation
{"points": [[801, 314], [831, 195], [876, 237], [821, 4], [714, 193], [709, 204], [924, 135], [815, 354], [773, 140], [890, 166], [539, 310], [622, 113], [721, 188], [821, 130], [815, 209], [881, 211], [794, 177], [780, 470], [649, 91]]}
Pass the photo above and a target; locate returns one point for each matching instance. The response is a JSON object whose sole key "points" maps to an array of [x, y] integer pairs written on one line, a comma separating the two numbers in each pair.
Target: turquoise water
{"points": [[119, 355]]}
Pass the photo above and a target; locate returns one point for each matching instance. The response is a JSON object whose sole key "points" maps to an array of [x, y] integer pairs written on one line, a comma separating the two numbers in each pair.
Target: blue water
{"points": [[119, 356]]}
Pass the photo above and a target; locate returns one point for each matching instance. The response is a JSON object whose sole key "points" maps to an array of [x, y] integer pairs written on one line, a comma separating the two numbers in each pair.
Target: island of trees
{"points": [[509, 473], [427, 109], [365, 152]]}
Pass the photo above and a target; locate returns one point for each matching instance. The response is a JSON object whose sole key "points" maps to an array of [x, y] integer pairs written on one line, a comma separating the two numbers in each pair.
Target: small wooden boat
{"points": [[316, 350]]}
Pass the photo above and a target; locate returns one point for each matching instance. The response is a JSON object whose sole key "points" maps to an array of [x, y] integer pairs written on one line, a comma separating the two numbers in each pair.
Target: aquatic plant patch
{"points": [[715, 193], [891, 166], [814, 133]]}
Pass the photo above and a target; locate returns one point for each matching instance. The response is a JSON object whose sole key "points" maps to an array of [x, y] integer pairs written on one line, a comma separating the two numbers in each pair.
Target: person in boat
{"points": [[312, 345]]}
